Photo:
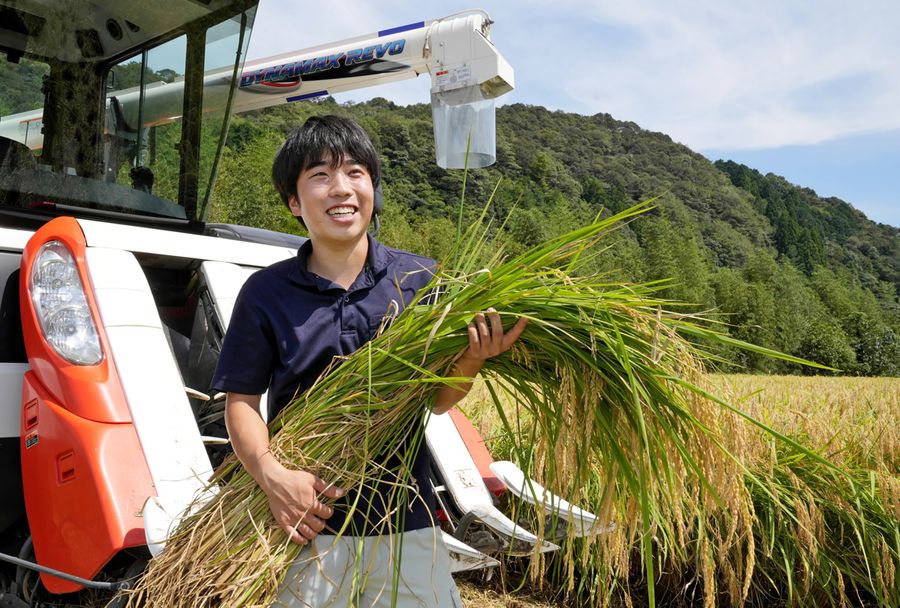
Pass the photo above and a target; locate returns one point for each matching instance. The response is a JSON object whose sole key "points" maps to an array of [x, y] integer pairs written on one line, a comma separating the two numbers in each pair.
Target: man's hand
{"points": [[293, 495], [294, 500], [486, 339]]}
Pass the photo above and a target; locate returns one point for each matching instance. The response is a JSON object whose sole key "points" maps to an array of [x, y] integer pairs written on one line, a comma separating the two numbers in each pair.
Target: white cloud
{"points": [[769, 74]]}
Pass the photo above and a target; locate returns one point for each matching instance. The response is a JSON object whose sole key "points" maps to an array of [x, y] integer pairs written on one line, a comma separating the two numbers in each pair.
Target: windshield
{"points": [[138, 134]]}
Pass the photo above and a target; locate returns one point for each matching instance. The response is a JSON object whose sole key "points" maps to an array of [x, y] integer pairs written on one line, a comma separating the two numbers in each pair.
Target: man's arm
{"points": [[486, 339], [293, 495]]}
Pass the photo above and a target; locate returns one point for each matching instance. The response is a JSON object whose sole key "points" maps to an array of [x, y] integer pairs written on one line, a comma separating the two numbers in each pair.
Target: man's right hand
{"points": [[293, 495], [294, 500]]}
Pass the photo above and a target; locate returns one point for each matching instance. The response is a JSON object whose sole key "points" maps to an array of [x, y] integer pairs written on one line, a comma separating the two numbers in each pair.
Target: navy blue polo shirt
{"points": [[287, 326]]}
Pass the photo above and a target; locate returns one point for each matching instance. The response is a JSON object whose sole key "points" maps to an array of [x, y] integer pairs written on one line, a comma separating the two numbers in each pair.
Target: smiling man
{"points": [[289, 322]]}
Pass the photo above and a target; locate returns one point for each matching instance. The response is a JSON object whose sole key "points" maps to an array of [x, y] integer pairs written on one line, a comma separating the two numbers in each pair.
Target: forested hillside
{"points": [[776, 264]]}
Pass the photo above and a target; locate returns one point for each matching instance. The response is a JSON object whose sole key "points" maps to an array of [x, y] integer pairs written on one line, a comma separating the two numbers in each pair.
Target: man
{"points": [[289, 322]]}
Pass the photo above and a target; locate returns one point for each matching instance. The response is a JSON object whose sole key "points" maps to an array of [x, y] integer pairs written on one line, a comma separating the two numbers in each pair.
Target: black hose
{"points": [[464, 522], [59, 574]]}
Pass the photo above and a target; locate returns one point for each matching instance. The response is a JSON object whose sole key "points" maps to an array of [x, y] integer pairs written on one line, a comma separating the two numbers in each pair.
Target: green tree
{"points": [[825, 342], [748, 308], [876, 346], [244, 192]]}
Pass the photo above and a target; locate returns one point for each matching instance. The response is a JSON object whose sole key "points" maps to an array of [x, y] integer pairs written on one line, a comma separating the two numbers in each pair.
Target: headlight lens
{"points": [[61, 306]]}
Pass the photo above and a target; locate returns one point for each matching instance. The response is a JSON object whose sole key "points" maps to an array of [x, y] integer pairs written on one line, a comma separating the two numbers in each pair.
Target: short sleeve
{"points": [[248, 352]]}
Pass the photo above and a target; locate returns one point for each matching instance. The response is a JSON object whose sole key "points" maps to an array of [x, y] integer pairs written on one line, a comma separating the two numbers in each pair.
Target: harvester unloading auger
{"points": [[116, 293]]}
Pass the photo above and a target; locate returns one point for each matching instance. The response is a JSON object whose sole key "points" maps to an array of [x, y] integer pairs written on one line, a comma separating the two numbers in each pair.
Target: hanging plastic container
{"points": [[464, 122]]}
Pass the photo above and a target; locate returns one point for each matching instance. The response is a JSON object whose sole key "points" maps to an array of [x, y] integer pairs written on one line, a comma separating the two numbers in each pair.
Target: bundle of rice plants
{"points": [[602, 372]]}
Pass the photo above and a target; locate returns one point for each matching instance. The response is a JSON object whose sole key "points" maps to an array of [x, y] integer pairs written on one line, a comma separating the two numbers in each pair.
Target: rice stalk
{"points": [[610, 392]]}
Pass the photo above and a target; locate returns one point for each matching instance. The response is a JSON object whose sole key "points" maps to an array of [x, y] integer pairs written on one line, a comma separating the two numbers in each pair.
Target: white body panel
{"points": [[464, 558], [224, 281], [173, 244], [151, 382], [583, 522], [13, 240], [11, 373], [465, 485]]}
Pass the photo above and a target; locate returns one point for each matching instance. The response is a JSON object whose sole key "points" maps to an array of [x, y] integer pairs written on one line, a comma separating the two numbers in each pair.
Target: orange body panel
{"points": [[92, 392], [84, 473], [478, 451], [85, 484]]}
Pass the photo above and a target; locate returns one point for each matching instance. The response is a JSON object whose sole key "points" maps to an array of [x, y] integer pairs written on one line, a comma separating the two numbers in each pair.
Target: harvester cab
{"points": [[116, 293]]}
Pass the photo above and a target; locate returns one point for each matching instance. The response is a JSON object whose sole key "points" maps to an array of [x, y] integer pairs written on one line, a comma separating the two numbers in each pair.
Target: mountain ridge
{"points": [[777, 264]]}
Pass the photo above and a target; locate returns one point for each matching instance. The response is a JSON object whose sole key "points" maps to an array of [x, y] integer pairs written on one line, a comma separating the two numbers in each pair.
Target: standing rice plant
{"points": [[617, 422]]}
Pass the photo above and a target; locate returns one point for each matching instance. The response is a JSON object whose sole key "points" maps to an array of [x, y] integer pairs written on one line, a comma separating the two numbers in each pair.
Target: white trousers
{"points": [[359, 572]]}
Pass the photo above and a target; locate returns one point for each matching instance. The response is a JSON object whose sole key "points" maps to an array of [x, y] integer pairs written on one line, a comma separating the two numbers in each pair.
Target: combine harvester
{"points": [[116, 293]]}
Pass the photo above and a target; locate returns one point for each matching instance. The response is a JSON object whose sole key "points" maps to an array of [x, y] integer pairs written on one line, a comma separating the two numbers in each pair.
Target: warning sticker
{"points": [[31, 440], [453, 77]]}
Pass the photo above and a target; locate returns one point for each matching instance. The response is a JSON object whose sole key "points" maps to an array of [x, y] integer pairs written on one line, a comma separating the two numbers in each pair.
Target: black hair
{"points": [[334, 137]]}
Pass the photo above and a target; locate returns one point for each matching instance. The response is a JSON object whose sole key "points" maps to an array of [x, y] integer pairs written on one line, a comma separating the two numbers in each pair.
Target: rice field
{"points": [[850, 421]]}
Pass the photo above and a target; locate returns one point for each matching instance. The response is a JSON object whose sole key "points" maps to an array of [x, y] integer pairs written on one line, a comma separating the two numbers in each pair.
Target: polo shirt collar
{"points": [[377, 261]]}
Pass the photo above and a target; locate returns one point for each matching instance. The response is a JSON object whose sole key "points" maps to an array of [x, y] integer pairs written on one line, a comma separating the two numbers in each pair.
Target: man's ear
{"points": [[294, 206]]}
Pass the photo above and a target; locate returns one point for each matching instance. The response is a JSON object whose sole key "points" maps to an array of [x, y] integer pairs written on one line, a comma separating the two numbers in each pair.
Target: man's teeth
{"points": [[341, 211]]}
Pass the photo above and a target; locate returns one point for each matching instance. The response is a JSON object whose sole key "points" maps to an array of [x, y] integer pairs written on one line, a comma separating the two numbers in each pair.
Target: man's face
{"points": [[334, 202]]}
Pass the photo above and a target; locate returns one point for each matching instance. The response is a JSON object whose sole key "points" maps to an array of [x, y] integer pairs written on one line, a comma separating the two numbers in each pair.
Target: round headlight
{"points": [[61, 306]]}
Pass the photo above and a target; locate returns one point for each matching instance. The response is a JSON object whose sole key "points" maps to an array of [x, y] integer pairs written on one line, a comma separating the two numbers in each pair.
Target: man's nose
{"points": [[340, 183]]}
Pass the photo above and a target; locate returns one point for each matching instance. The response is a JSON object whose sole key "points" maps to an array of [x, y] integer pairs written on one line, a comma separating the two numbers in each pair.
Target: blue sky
{"points": [[807, 90]]}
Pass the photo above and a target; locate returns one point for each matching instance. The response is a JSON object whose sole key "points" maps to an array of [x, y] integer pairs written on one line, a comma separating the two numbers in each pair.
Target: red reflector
{"points": [[65, 466], [31, 414]]}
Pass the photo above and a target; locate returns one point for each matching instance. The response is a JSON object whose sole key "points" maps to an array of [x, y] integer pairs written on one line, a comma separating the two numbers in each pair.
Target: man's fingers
{"points": [[306, 530], [486, 336], [496, 324], [473, 335], [513, 334], [313, 524], [294, 534], [329, 490], [320, 510], [484, 333]]}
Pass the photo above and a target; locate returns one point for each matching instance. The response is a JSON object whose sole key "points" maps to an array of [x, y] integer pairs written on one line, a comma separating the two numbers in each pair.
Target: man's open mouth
{"points": [[341, 211]]}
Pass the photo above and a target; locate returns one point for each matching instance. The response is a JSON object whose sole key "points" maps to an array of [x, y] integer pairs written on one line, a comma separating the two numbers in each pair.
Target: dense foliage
{"points": [[778, 265], [21, 86]]}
